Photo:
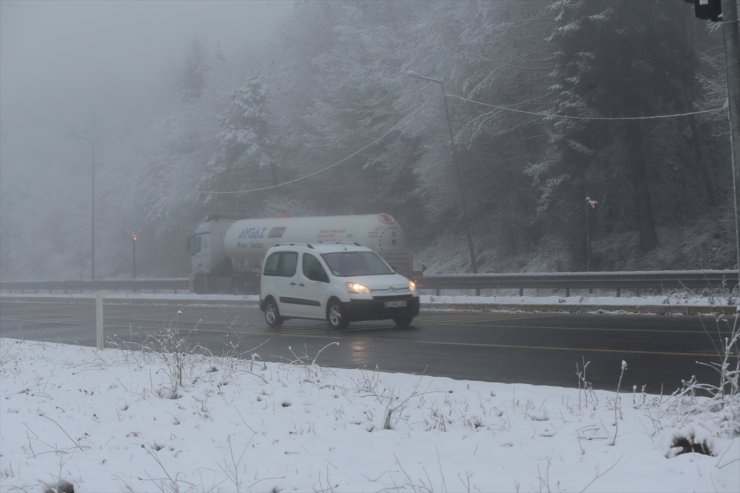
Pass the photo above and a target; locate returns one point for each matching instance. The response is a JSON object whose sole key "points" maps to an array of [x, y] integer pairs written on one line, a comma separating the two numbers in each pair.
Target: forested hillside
{"points": [[550, 102]]}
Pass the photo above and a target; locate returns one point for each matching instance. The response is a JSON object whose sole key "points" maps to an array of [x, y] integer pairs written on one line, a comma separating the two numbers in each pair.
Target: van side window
{"points": [[312, 269], [281, 264], [287, 264], [271, 265]]}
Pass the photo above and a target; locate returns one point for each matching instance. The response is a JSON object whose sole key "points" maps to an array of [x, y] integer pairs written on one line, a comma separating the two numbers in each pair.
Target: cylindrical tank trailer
{"points": [[227, 253]]}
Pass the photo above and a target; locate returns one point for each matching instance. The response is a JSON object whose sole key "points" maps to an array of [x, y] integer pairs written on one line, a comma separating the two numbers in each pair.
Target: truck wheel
{"points": [[403, 320], [272, 314], [336, 316]]}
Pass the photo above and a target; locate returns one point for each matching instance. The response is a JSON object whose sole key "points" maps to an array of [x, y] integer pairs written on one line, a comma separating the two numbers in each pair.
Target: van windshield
{"points": [[345, 264]]}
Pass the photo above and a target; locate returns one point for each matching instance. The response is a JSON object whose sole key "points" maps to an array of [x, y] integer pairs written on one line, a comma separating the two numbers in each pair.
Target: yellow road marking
{"points": [[556, 348], [470, 322], [508, 346], [594, 329]]}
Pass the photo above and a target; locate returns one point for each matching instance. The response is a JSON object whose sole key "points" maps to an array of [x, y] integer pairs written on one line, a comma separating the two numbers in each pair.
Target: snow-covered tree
{"points": [[493, 53], [245, 157], [193, 77], [338, 78], [614, 61]]}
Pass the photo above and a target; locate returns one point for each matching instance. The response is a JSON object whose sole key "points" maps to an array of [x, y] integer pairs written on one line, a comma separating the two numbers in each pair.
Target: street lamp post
{"points": [[134, 239], [92, 204], [456, 165], [591, 206]]}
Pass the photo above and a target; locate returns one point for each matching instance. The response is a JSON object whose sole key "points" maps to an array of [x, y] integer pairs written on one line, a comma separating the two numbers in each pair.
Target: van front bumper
{"points": [[380, 309]]}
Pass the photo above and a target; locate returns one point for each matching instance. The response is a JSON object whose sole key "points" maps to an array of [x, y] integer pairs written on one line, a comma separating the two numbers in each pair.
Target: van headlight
{"points": [[412, 285], [357, 288]]}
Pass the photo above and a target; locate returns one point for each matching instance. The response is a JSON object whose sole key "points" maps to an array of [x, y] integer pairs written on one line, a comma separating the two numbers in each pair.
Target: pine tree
{"points": [[246, 152], [613, 60], [194, 73], [339, 88]]}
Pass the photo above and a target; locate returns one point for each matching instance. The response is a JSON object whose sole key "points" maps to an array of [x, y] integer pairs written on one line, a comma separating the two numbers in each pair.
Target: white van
{"points": [[335, 282]]}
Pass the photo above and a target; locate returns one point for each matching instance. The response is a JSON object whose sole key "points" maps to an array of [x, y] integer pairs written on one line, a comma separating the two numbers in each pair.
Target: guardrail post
{"points": [[99, 333]]}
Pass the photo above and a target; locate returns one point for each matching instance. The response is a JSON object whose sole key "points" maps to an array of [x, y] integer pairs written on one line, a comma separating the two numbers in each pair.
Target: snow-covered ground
{"points": [[121, 421]]}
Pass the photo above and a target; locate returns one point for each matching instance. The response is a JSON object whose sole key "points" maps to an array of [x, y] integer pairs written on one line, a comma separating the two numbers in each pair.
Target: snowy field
{"points": [[140, 421]]}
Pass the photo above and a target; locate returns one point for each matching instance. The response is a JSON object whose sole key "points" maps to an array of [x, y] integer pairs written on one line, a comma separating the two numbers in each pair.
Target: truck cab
{"points": [[209, 267]]}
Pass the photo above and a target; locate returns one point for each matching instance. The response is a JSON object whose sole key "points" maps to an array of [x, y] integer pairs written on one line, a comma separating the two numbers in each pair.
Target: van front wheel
{"points": [[272, 314], [336, 315]]}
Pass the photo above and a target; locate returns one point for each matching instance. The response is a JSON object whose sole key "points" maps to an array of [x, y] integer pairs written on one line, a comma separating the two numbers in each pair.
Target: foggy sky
{"points": [[94, 67], [59, 52]]}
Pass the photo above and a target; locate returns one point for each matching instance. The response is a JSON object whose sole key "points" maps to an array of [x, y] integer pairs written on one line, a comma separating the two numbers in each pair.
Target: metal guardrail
{"points": [[175, 285], [637, 280]]}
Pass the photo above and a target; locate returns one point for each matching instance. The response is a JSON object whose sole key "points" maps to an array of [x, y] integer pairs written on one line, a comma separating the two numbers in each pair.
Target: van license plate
{"points": [[395, 304]]}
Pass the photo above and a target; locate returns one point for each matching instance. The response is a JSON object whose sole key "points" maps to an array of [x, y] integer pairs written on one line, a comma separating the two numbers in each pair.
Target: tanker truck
{"points": [[227, 253]]}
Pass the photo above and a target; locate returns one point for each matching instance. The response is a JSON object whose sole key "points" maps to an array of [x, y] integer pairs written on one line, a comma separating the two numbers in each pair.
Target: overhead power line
{"points": [[306, 176], [540, 114], [549, 114]]}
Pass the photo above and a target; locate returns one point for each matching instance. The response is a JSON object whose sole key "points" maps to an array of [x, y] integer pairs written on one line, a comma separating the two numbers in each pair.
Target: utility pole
{"points": [[458, 174], [134, 239], [456, 166], [591, 206], [731, 34], [92, 203]]}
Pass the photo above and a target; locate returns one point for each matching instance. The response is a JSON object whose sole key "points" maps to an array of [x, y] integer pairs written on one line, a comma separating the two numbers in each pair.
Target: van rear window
{"points": [[282, 264]]}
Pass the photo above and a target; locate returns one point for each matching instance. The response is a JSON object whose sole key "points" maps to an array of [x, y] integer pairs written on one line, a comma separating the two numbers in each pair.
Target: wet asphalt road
{"points": [[541, 349]]}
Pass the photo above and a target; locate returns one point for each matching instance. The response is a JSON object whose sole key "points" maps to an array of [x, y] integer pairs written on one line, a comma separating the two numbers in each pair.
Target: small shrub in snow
{"points": [[725, 396], [313, 371], [172, 346], [586, 395], [616, 403], [61, 487], [437, 421], [687, 441], [474, 422]]}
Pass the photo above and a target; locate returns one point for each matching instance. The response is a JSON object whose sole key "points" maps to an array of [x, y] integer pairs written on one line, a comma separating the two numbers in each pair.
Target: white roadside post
{"points": [[99, 320]]}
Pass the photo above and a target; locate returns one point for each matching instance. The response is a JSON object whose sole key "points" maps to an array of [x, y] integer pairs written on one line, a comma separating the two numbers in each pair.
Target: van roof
{"points": [[322, 247]]}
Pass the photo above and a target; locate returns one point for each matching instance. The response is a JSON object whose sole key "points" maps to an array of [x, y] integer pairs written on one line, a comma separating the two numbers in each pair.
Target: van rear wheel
{"points": [[272, 314], [336, 316]]}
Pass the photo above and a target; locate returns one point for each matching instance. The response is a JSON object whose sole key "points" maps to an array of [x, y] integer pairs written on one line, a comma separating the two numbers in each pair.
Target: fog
{"points": [[305, 108], [65, 58], [97, 68], [64, 52]]}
